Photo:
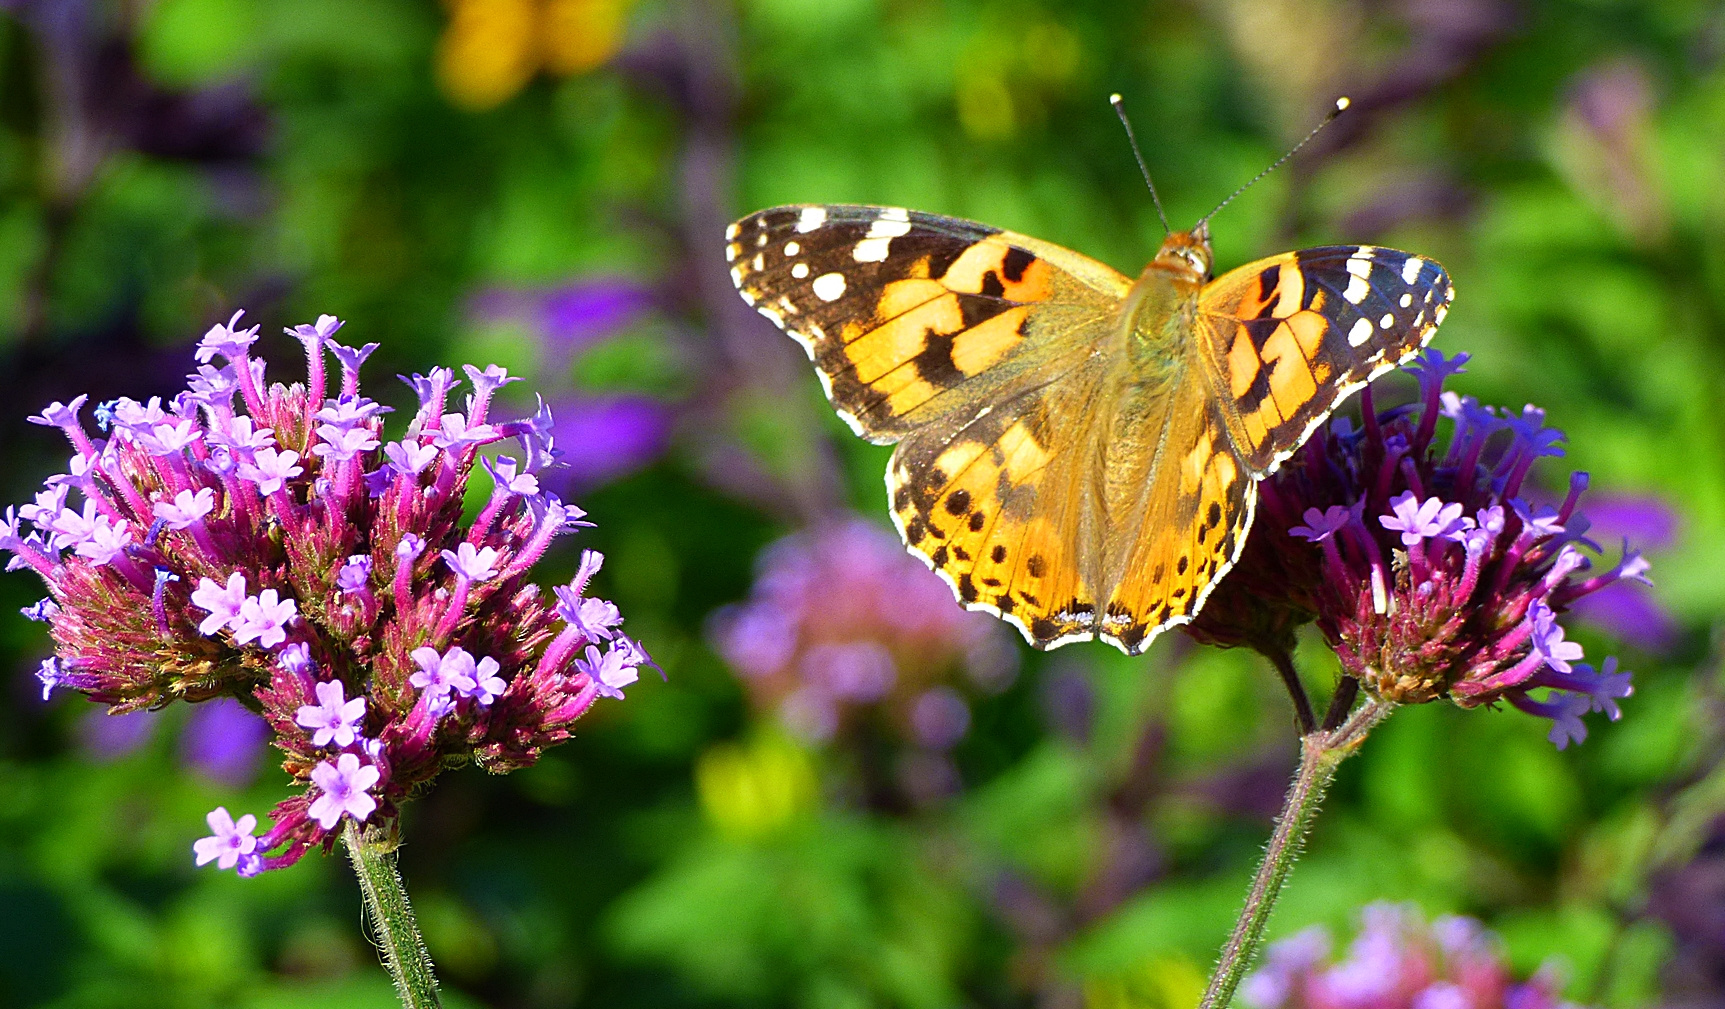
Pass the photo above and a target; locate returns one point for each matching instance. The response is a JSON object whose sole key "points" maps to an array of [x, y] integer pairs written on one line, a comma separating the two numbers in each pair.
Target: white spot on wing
{"points": [[792, 248], [1357, 288], [1387, 321], [1360, 266], [871, 250], [830, 286], [1407, 299], [732, 230], [1361, 332], [1411, 269], [889, 227], [894, 214], [811, 218], [800, 270]]}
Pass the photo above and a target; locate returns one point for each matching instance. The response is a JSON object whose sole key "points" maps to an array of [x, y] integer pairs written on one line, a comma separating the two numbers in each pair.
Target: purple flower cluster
{"points": [[1397, 961], [265, 543], [1427, 568], [843, 625]]}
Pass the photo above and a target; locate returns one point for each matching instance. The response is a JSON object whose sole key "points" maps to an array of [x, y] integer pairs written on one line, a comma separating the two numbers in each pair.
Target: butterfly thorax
{"points": [[1158, 311], [1156, 323]]}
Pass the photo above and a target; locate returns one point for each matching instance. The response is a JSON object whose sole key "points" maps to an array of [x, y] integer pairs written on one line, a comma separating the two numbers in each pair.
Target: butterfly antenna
{"points": [[1120, 110], [1342, 104]]}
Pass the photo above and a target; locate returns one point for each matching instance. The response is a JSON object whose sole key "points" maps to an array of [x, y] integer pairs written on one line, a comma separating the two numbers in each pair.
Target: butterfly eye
{"points": [[1193, 260]]}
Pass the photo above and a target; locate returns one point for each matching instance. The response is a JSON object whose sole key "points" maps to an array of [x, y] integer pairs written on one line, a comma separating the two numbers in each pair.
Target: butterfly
{"points": [[1078, 452]]}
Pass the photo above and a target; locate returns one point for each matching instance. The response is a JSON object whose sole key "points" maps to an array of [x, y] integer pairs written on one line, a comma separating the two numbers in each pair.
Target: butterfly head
{"points": [[1186, 254]]}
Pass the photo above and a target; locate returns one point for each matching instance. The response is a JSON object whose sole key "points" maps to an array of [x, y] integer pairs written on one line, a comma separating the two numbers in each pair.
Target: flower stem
{"points": [[392, 918], [1284, 664], [1321, 752]]}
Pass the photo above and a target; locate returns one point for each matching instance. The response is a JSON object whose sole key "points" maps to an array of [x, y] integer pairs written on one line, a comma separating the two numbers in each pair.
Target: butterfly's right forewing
{"points": [[912, 317]]}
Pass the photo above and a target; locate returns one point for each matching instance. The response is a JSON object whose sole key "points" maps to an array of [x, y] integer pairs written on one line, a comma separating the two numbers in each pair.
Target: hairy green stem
{"points": [[391, 917], [1321, 752]]}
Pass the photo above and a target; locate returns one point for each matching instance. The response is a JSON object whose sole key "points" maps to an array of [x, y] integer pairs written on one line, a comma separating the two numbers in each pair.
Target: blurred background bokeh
{"points": [[850, 793]]}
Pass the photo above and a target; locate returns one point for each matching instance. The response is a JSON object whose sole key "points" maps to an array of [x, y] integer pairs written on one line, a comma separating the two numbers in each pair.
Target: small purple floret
{"points": [[223, 603], [1418, 521], [334, 718], [343, 783], [229, 840]]}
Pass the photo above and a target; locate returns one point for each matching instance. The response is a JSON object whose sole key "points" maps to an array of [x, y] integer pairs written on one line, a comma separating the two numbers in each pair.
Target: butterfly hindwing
{"points": [[996, 506], [908, 316], [1192, 525], [1290, 338]]}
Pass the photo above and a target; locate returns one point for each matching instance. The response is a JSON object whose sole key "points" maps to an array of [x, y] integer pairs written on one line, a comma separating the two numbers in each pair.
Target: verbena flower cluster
{"points": [[843, 625], [265, 543], [1397, 961], [1428, 568]]}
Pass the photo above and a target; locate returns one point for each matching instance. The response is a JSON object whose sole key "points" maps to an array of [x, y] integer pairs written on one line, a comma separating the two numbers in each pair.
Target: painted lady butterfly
{"points": [[1078, 452]]}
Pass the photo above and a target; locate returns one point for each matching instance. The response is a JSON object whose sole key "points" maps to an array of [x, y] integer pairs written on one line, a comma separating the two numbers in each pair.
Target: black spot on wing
{"points": [[974, 310], [1267, 282], [934, 362]]}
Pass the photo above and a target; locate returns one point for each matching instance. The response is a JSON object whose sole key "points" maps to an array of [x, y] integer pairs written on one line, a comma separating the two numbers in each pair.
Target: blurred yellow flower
{"points": [[753, 791], [582, 34], [490, 49], [1163, 982]]}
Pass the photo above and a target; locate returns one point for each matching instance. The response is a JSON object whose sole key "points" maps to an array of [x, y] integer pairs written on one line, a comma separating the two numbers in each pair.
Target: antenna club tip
{"points": [[1115, 99], [1342, 103]]}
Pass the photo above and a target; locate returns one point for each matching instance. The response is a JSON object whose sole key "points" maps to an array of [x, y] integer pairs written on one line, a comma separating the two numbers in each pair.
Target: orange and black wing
{"points": [[912, 317], [981, 353], [1288, 339]]}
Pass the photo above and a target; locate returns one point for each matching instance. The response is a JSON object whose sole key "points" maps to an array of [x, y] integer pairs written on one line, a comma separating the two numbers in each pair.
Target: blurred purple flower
{"points": [[603, 438], [224, 742], [940, 718], [1632, 613], [1069, 702], [1643, 518], [599, 437], [109, 737], [1397, 961], [843, 625], [573, 316], [569, 318]]}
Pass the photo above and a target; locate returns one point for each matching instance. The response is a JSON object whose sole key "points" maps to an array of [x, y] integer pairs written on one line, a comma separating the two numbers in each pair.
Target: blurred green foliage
{"points": [[164, 163]]}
